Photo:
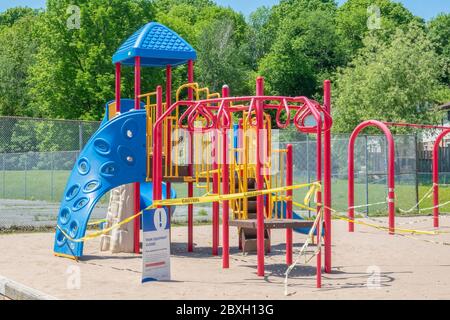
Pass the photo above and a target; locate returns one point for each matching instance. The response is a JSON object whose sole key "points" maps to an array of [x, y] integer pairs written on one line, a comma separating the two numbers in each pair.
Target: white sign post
{"points": [[156, 245]]}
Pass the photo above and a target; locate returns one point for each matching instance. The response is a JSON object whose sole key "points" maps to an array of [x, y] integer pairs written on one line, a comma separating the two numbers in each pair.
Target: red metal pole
{"points": [[118, 79], [436, 177], [215, 205], [225, 190], [319, 200], [169, 127], [190, 166], [259, 177], [391, 172], [137, 186], [241, 158], [289, 193], [157, 149], [327, 177]]}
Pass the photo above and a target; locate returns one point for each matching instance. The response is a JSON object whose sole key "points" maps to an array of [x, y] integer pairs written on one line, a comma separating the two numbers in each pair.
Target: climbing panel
{"points": [[114, 156]]}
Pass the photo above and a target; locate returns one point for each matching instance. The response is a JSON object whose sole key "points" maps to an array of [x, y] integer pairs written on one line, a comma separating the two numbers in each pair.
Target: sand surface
{"points": [[409, 268]]}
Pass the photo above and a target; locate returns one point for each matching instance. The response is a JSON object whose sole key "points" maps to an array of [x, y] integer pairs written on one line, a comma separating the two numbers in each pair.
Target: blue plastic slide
{"points": [[281, 208], [115, 155]]}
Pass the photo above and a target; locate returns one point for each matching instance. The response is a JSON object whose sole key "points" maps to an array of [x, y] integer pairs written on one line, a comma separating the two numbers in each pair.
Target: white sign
{"points": [[156, 245]]}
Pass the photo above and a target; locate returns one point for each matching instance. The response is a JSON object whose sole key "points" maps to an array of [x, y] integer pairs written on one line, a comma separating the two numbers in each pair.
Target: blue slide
{"points": [[282, 206], [115, 155]]}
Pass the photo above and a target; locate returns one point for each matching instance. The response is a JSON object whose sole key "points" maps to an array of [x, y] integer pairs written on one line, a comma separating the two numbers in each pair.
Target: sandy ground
{"points": [[409, 269]]}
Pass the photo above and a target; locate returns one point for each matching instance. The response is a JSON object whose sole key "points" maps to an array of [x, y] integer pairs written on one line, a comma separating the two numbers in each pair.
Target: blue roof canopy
{"points": [[157, 45]]}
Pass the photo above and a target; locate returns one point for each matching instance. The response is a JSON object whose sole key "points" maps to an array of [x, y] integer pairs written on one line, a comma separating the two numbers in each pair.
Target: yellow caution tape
{"points": [[95, 223], [232, 196], [99, 233], [208, 198], [398, 231]]}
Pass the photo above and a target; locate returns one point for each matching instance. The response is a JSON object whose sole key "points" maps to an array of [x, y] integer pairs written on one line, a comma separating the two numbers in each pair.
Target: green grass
{"points": [[43, 185], [46, 185], [405, 197]]}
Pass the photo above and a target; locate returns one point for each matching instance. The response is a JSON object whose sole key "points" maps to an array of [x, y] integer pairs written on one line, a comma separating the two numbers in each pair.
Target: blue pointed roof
{"points": [[157, 45]]}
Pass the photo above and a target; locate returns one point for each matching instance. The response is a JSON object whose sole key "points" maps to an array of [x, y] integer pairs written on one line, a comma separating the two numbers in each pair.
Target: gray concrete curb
{"points": [[15, 291]]}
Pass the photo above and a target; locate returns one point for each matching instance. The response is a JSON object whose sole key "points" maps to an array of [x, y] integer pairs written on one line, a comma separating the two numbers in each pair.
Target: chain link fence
{"points": [[412, 173], [37, 156]]}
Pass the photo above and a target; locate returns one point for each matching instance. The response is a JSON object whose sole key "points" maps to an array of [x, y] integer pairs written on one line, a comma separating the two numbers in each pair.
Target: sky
{"points": [[426, 9]]}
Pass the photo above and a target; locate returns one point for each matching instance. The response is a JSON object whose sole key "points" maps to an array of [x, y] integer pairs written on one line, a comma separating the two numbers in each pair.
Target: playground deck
{"points": [[409, 269]]}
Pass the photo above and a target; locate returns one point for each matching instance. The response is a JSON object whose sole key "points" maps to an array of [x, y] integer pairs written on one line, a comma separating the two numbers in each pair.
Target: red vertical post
{"points": [[118, 80], [259, 177], [289, 193], [241, 158], [436, 177], [225, 190], [327, 176], [215, 205], [319, 200], [190, 166], [137, 186], [391, 172], [168, 127], [157, 149]]}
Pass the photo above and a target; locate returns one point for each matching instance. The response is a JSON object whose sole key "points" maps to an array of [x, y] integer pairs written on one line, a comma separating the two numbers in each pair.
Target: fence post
{"points": [[80, 135], [417, 170], [25, 179], [307, 166], [366, 164], [4, 175], [52, 168]]}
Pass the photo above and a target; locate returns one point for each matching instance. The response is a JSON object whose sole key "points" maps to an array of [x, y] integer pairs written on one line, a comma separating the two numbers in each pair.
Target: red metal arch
{"points": [[391, 172], [436, 177]]}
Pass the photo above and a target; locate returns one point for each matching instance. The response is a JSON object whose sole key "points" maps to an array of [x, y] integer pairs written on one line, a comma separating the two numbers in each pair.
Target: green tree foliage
{"points": [[11, 16], [354, 15], [221, 61], [439, 31], [220, 36], [261, 37], [50, 70], [18, 45], [306, 48], [392, 80], [73, 76]]}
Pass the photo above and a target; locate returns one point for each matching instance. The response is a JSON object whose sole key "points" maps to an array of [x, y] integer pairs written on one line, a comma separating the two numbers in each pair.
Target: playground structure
{"points": [[161, 141], [384, 127]]}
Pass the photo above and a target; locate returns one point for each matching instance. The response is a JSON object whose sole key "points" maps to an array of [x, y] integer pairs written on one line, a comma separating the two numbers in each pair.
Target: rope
{"points": [[317, 221], [426, 195]]}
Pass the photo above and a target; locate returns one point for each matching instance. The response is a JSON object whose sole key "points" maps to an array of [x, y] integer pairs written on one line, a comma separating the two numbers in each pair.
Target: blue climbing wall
{"points": [[114, 156]]}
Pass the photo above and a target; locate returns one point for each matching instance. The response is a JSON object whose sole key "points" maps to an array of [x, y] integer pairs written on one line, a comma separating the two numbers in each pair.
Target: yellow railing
{"points": [[172, 135]]}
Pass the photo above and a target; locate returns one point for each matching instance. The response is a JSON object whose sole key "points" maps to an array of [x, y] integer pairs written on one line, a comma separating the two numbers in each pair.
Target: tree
{"points": [[355, 19], [220, 59], [439, 32], [220, 36], [73, 76], [394, 80], [10, 16], [18, 45], [261, 37], [305, 50]]}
